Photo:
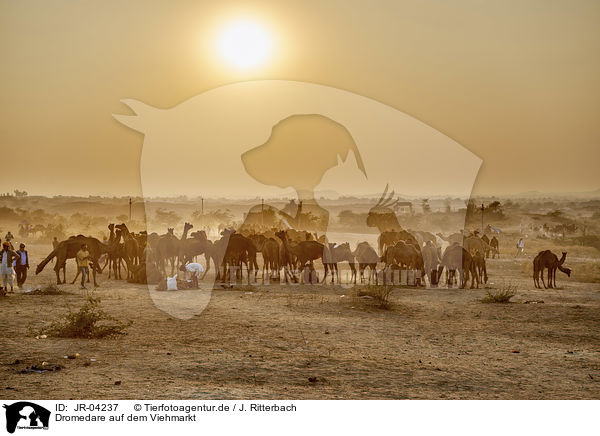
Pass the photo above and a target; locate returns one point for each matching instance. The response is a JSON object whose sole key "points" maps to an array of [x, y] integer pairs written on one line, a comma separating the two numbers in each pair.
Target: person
{"points": [[83, 263], [194, 269], [21, 265], [520, 247], [8, 238], [7, 257]]}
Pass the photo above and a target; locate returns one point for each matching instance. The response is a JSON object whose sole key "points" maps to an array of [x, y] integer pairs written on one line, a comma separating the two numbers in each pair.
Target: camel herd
{"points": [[286, 255], [290, 254]]}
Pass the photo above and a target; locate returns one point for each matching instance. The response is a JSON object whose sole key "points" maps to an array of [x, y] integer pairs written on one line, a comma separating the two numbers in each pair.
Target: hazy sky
{"points": [[515, 82]]}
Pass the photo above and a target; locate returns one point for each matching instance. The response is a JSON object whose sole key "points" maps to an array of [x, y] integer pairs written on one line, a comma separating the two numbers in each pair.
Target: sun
{"points": [[244, 44]]}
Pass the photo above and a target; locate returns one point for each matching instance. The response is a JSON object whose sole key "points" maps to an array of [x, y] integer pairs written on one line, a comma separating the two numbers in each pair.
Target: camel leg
{"points": [[542, 274], [94, 273], [105, 263], [207, 259], [76, 276], [57, 271], [326, 268]]}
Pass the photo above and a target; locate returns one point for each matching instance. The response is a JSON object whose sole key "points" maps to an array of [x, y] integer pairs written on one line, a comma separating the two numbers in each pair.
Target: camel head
{"points": [[123, 228], [282, 234], [382, 215], [562, 258], [200, 234], [111, 227]]}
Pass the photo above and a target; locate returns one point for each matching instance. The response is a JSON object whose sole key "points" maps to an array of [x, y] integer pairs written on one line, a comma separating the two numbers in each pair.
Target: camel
{"points": [[475, 243], [335, 254], [405, 255], [457, 258], [270, 253], [366, 256], [240, 249], [304, 251], [389, 238], [485, 239], [479, 264], [131, 248], [167, 248], [431, 260], [495, 246], [549, 260], [68, 249], [195, 246], [186, 228], [113, 259]]}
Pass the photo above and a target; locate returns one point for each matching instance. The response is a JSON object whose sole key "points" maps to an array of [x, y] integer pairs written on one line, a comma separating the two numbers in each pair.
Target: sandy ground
{"points": [[266, 342]]}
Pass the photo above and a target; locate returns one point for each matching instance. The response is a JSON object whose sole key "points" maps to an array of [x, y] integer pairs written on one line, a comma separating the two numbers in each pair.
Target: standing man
{"points": [[83, 263], [22, 265], [7, 257]]}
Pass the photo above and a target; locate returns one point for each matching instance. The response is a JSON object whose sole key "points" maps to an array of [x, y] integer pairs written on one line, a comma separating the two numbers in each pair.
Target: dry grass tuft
{"points": [[503, 295], [378, 294]]}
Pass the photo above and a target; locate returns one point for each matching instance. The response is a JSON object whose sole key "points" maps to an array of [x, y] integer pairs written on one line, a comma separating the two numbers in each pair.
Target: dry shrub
{"points": [[503, 295], [378, 294], [89, 322]]}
